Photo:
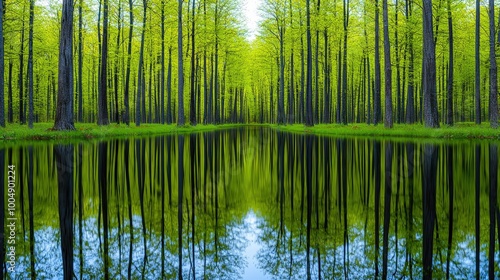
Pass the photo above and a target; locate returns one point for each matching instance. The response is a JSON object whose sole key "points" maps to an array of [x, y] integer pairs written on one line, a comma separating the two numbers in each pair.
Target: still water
{"points": [[254, 203]]}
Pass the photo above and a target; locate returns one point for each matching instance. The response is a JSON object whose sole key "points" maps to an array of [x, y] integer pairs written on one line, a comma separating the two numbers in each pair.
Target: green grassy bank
{"points": [[458, 131], [89, 131]]}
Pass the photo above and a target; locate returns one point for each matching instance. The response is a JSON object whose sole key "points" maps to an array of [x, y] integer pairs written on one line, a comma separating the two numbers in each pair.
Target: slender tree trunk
{"points": [[309, 114], [477, 88], [117, 52], [10, 110], [281, 97], [162, 82], [64, 110], [80, 61], [2, 73], [126, 117], [388, 71], [344, 65], [140, 77], [22, 115], [449, 99], [31, 116], [192, 110], [376, 90], [327, 103], [316, 67], [410, 105], [493, 102], [103, 79], [169, 87], [180, 85]]}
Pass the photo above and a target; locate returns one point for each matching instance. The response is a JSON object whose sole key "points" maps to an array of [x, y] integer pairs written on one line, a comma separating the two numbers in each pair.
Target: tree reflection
{"points": [[316, 215], [429, 206], [64, 161]]}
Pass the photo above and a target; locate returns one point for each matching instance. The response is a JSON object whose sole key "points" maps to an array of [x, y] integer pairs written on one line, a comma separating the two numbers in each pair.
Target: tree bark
{"points": [[376, 90], [180, 112], [388, 122], [2, 71], [493, 102], [80, 61], [429, 69], [192, 110], [103, 88], [31, 115], [309, 114], [64, 110], [477, 88], [449, 90]]}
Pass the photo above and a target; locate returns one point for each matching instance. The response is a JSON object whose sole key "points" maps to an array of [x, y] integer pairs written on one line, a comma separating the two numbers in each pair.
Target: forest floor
{"points": [[89, 131]]}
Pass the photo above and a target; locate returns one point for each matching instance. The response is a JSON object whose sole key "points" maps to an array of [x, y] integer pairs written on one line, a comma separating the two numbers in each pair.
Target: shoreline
{"points": [[91, 131]]}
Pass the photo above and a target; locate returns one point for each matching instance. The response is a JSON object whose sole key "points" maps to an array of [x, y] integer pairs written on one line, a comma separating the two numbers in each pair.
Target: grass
{"points": [[90, 131], [458, 131]]}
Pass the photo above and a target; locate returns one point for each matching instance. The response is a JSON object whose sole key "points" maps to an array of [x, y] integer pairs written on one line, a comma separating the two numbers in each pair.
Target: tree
{"points": [[64, 110], [31, 116], [493, 104], [410, 105], [309, 114], [140, 77], [376, 90], [429, 68], [126, 117], [102, 112], [162, 77], [388, 71], [80, 61], [2, 105], [180, 71], [449, 99], [477, 88], [192, 111], [344, 64]]}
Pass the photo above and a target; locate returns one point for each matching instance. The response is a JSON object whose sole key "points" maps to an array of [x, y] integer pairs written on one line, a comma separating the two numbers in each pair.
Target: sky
{"points": [[252, 17]]}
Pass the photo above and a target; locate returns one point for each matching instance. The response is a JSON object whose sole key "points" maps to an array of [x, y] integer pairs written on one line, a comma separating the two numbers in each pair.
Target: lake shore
{"points": [[89, 131]]}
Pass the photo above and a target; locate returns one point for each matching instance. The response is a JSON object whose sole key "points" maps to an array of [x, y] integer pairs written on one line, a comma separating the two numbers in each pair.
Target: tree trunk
{"points": [[2, 72], [117, 52], [376, 90], [192, 110], [281, 97], [429, 69], [309, 114], [64, 110], [343, 115], [140, 77], [180, 85], [493, 104], [388, 71], [31, 116], [410, 105], [80, 62], [103, 88], [22, 115], [477, 88], [449, 99]]}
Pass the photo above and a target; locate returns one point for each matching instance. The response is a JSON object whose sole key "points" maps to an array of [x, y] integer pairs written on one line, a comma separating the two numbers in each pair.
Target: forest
{"points": [[163, 61]]}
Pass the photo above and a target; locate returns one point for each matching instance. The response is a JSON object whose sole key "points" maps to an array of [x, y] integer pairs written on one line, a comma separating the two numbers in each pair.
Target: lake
{"points": [[254, 203]]}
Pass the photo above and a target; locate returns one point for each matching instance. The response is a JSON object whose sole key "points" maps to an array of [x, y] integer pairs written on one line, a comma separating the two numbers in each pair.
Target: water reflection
{"points": [[256, 203]]}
